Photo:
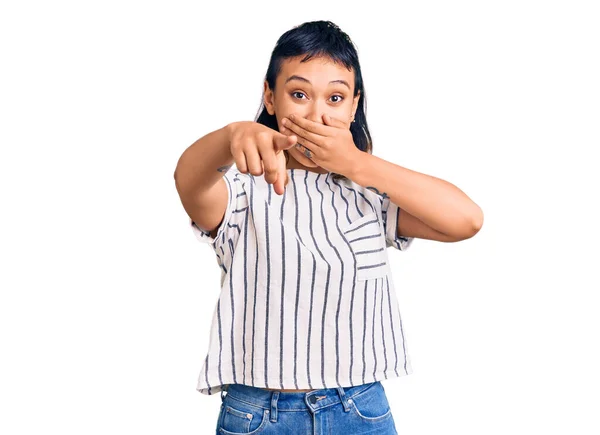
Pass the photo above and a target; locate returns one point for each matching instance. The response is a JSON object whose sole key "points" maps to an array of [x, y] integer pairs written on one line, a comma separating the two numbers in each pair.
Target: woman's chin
{"points": [[305, 161], [310, 164]]}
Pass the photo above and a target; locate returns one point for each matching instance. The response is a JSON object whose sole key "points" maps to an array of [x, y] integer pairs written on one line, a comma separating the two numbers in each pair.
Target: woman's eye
{"points": [[340, 98]]}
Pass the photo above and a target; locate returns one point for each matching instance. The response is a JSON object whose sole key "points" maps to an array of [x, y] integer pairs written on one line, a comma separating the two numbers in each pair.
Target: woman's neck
{"points": [[294, 164]]}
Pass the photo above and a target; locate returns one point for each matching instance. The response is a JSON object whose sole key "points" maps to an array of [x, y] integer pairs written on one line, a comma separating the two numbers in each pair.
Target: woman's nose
{"points": [[315, 116], [315, 112]]}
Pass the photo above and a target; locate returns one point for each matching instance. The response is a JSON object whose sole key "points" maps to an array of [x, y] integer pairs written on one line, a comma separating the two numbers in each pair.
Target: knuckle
{"points": [[262, 135], [245, 144]]}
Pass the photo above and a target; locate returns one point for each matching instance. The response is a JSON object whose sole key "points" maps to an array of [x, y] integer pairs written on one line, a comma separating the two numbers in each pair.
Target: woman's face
{"points": [[309, 90]]}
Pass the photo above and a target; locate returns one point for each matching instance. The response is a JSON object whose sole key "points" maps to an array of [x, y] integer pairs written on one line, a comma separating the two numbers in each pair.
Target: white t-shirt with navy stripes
{"points": [[307, 299]]}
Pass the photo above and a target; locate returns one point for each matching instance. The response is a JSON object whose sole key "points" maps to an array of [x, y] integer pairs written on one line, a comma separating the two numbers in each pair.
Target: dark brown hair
{"points": [[320, 39]]}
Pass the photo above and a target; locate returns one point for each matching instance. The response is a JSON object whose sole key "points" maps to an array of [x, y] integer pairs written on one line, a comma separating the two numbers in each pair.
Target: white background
{"points": [[107, 297]]}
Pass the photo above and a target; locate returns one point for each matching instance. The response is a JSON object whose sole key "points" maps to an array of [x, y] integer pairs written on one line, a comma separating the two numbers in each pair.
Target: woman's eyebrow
{"points": [[302, 79]]}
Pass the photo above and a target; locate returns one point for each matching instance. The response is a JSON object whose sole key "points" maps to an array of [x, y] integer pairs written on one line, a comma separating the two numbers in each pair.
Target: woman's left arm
{"points": [[430, 208]]}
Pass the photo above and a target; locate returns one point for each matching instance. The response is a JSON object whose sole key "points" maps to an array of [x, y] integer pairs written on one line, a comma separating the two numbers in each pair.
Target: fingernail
{"points": [[284, 121]]}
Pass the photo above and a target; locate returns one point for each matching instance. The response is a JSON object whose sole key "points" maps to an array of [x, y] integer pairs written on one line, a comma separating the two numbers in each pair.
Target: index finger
{"points": [[268, 156]]}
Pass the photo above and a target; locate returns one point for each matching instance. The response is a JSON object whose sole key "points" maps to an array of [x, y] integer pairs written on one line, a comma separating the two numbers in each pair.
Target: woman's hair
{"points": [[320, 39]]}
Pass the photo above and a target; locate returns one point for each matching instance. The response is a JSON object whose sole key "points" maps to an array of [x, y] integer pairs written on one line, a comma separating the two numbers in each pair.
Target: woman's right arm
{"points": [[199, 178], [254, 148]]}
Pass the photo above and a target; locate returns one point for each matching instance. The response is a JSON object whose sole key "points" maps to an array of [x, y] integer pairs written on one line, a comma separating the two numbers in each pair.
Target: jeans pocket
{"points": [[239, 418], [371, 405]]}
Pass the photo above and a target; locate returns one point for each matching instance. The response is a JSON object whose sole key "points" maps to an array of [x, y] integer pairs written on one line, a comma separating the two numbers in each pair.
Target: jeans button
{"points": [[312, 399]]}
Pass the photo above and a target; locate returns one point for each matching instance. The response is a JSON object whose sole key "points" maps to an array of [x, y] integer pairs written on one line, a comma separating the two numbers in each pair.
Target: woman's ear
{"points": [[268, 99], [355, 104]]}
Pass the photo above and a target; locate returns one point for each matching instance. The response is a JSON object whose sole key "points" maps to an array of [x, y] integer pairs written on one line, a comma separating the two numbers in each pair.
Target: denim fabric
{"points": [[363, 409]]}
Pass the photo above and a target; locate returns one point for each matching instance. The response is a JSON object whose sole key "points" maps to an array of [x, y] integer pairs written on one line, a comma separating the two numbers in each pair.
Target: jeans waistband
{"points": [[294, 401]]}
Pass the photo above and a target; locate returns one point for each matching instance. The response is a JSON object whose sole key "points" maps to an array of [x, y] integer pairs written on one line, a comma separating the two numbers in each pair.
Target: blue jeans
{"points": [[362, 409]]}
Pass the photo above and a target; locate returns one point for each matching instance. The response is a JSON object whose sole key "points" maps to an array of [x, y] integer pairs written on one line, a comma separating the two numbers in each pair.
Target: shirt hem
{"points": [[203, 388]]}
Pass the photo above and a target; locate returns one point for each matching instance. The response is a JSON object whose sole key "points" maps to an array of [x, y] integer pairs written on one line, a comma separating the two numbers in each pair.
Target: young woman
{"points": [[307, 323]]}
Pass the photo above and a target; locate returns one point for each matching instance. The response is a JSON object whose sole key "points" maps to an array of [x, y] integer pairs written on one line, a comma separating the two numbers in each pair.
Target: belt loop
{"points": [[223, 389], [343, 398], [274, 398]]}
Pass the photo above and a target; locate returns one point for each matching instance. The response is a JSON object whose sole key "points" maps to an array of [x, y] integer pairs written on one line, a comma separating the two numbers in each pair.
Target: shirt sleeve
{"points": [[229, 229], [390, 213]]}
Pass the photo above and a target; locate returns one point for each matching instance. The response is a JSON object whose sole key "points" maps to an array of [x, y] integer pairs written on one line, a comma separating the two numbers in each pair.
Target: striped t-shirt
{"points": [[307, 299]]}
